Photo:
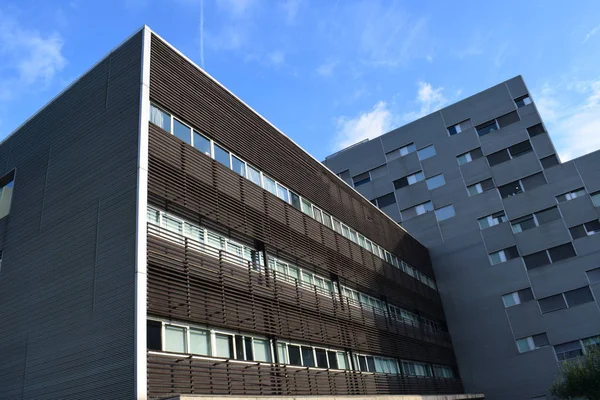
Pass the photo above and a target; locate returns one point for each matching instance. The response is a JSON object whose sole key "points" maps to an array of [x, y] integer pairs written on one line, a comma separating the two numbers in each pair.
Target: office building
{"points": [[159, 237], [510, 229]]}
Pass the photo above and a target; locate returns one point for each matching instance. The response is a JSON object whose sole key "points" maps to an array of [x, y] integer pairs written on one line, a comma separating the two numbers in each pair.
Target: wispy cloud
{"points": [[276, 58], [429, 99], [290, 9], [236, 8], [28, 57], [326, 69], [368, 124], [590, 34], [571, 112]]}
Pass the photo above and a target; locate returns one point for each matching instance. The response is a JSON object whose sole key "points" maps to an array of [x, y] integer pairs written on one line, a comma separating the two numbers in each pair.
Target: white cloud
{"points": [[573, 121], [28, 57], [326, 69], [369, 124], [590, 34], [236, 8], [429, 99], [276, 58]]}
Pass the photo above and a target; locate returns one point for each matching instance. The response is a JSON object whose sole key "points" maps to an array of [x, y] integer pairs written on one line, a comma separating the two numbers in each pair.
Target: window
{"points": [[480, 187], [587, 229], [222, 156], [282, 193], [579, 296], [254, 175], [561, 252], [416, 369], [591, 343], [508, 119], [417, 210], [545, 257], [510, 189], [182, 131], [441, 371], [523, 101], [409, 180], [518, 297], [594, 275], [435, 181], [596, 199], [536, 219], [401, 152], [550, 161], [469, 156], [547, 215], [295, 201], [487, 127], [426, 152], [444, 212], [532, 342], [509, 153], [200, 342], [361, 179], [498, 157], [385, 201], [153, 335], [238, 165], [262, 350], [552, 303], [535, 130], [536, 260], [201, 143], [570, 195], [269, 185], [492, 220], [523, 223], [6, 190], [504, 255], [344, 175], [533, 181], [458, 128], [223, 346], [569, 350], [160, 118], [175, 339]]}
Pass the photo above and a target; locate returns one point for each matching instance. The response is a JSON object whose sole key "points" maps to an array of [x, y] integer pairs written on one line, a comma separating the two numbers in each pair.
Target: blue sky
{"points": [[327, 73]]}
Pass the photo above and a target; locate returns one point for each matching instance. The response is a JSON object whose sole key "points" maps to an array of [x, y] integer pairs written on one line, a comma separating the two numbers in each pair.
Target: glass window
{"points": [[317, 214], [523, 224], [386, 200], [337, 226], [534, 181], [321, 358], [154, 335], [594, 275], [182, 131], [409, 148], [596, 199], [549, 161], [579, 296], [254, 175], [153, 216], [342, 360], [492, 220], [536, 260], [282, 193], [548, 215], [294, 355], [458, 128], [238, 165], [552, 303], [567, 351], [262, 350], [570, 195], [282, 353], [269, 185], [202, 143], [223, 345], [308, 358], [508, 119], [193, 232], [172, 224], [175, 339], [486, 128], [535, 130], [498, 157], [520, 148], [511, 299], [361, 179], [426, 152], [200, 342], [561, 252], [523, 101], [510, 189], [345, 231], [160, 118], [525, 344], [222, 156], [444, 212], [327, 220], [295, 200], [435, 181], [307, 207]]}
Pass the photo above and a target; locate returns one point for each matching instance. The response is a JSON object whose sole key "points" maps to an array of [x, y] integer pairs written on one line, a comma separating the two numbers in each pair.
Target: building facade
{"points": [[510, 229], [159, 237]]}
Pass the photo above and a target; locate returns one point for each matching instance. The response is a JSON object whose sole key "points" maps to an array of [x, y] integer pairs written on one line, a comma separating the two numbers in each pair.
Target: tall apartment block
{"points": [[159, 237], [510, 229]]}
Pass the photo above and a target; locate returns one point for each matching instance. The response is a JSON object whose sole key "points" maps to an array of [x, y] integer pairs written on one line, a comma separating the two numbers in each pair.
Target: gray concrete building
{"points": [[510, 229]]}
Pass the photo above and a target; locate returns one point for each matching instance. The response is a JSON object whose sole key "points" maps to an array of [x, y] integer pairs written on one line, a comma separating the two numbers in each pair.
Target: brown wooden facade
{"points": [[187, 285]]}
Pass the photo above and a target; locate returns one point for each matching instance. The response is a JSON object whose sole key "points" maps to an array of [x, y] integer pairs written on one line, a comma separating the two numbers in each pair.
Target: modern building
{"points": [[159, 237], [510, 229]]}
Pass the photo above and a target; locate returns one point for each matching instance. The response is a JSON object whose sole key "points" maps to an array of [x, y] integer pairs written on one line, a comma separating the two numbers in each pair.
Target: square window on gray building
{"points": [[595, 199], [536, 260], [361, 179], [522, 224], [573, 194], [587, 229], [569, 350], [401, 152], [533, 181], [518, 297], [508, 119], [504, 255], [378, 172], [579, 296], [469, 156], [409, 180], [523, 101], [486, 127], [561, 252], [549, 161], [594, 275], [480, 187], [552, 303], [435, 181], [426, 152], [520, 148], [535, 130], [458, 128], [547, 215], [385, 200], [492, 220], [510, 189], [445, 212]]}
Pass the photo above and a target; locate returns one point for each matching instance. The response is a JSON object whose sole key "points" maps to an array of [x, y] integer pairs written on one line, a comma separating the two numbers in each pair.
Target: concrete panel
{"points": [[542, 237], [588, 245], [516, 87], [403, 166], [564, 176], [503, 138], [573, 323], [578, 211], [498, 237], [410, 196], [525, 319], [552, 278], [475, 171], [421, 132], [589, 168], [530, 201], [358, 159], [542, 145], [428, 229], [517, 168]]}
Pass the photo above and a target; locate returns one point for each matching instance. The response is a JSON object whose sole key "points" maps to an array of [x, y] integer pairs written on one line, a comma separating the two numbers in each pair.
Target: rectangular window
{"points": [[487, 127], [342, 360], [469, 156], [282, 193], [417, 210], [222, 156], [262, 350], [587, 229], [458, 128], [536, 260], [435, 181], [238, 165], [596, 199], [294, 355], [498, 157], [409, 180], [269, 185], [200, 342], [570, 195], [510, 189], [535, 130], [154, 335], [532, 342], [594, 275], [533, 181], [445, 212], [321, 358], [518, 297], [547, 215], [282, 355], [508, 119], [153, 216], [160, 118], [523, 224], [385, 201], [182, 131], [295, 201], [361, 179], [426, 152], [223, 346], [519, 149], [175, 339], [504, 255], [492, 220], [480, 187], [308, 358], [254, 176], [549, 161], [201, 143], [523, 101], [569, 350], [561, 252], [552, 303], [401, 152], [579, 296]]}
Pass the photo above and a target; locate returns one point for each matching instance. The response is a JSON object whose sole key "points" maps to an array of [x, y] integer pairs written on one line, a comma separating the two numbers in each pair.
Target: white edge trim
{"points": [[141, 367]]}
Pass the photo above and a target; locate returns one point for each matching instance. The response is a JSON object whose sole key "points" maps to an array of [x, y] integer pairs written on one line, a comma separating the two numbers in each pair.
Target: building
{"points": [[509, 227], [159, 237]]}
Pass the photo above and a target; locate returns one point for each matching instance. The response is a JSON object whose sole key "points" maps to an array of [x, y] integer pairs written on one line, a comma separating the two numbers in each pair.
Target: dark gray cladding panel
{"points": [[357, 158], [516, 87], [67, 277]]}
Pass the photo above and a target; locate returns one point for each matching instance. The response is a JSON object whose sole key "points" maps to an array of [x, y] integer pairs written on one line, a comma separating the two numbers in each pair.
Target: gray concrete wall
{"points": [[483, 330], [68, 243]]}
